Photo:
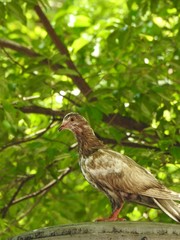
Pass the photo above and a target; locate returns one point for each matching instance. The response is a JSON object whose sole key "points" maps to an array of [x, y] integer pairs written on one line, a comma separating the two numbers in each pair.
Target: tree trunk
{"points": [[106, 231]]}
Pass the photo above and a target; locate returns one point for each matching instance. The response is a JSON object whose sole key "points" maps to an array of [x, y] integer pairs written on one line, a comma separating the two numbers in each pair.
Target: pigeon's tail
{"points": [[169, 207]]}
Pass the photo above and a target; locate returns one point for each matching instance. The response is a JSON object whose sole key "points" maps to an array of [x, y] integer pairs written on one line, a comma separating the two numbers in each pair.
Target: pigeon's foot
{"points": [[113, 217], [110, 219]]}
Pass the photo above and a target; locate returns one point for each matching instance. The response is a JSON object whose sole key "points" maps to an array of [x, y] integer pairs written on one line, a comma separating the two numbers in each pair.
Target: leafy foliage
{"points": [[115, 62]]}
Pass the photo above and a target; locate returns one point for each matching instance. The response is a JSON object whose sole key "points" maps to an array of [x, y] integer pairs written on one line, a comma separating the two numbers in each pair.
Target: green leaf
{"points": [[79, 44], [15, 10], [82, 21], [175, 151], [67, 72]]}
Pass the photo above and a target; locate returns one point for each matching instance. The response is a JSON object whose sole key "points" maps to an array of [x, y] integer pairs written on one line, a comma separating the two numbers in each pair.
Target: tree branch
{"points": [[29, 52], [17, 47], [78, 80], [12, 60], [28, 210], [41, 191], [16, 220], [112, 119], [124, 122], [24, 180], [18, 142], [42, 110], [44, 189], [121, 143]]}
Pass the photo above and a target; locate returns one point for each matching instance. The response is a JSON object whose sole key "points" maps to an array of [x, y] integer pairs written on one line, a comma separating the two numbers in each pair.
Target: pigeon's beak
{"points": [[63, 126], [60, 128]]}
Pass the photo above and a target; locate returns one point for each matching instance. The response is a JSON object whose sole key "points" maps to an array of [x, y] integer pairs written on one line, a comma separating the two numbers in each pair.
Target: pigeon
{"points": [[119, 177]]}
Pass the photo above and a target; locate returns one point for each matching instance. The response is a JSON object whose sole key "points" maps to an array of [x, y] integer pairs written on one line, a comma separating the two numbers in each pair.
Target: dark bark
{"points": [[17, 47], [78, 80], [112, 119], [6, 44], [118, 120]]}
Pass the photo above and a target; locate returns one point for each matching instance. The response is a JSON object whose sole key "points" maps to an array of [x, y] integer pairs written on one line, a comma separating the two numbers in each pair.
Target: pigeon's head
{"points": [[87, 140], [75, 123]]}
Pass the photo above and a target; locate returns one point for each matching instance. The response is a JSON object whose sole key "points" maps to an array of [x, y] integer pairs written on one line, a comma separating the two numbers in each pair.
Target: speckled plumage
{"points": [[117, 175]]}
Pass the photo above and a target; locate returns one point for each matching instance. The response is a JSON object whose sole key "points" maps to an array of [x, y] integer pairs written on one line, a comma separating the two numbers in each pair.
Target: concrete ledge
{"points": [[106, 231]]}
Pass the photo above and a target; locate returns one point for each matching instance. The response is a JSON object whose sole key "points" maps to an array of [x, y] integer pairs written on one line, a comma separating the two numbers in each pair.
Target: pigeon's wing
{"points": [[119, 172]]}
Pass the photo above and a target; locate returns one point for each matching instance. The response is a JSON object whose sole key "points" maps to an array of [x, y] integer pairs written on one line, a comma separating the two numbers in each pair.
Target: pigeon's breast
{"points": [[86, 165]]}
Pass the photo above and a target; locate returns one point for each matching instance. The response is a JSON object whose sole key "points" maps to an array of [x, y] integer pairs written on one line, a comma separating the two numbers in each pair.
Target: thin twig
{"points": [[24, 140], [30, 209], [44, 189], [40, 192], [12, 60], [24, 180], [69, 99], [14, 222]]}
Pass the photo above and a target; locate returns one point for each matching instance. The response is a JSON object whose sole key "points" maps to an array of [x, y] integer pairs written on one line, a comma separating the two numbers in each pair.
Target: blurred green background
{"points": [[114, 62]]}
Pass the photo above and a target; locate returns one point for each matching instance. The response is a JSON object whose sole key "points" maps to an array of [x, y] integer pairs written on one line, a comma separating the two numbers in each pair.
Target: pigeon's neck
{"points": [[88, 143]]}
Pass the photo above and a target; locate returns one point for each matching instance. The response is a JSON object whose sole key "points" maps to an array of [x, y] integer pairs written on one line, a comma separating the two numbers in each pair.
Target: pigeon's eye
{"points": [[72, 119]]}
